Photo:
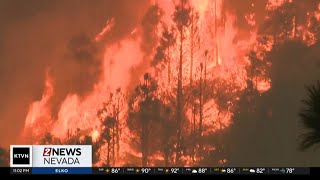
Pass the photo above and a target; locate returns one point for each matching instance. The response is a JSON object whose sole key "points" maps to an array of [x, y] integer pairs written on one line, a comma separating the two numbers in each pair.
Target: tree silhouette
{"points": [[49, 139], [152, 122], [108, 135], [163, 53], [310, 117], [182, 20], [111, 115], [142, 115]]}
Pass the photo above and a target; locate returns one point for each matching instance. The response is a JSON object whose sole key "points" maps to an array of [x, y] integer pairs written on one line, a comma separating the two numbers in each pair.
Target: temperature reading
{"points": [[231, 170], [202, 170], [145, 170], [115, 170], [289, 170], [174, 170]]}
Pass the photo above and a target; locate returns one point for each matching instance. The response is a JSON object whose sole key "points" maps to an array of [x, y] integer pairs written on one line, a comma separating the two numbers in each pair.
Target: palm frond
{"points": [[310, 117], [309, 140]]}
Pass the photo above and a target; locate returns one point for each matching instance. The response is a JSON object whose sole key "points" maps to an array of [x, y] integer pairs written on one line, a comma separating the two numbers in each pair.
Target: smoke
{"points": [[56, 36], [77, 71], [149, 26]]}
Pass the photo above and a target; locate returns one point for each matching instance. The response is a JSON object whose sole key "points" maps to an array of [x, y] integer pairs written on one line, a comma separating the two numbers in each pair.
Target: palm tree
{"points": [[310, 117]]}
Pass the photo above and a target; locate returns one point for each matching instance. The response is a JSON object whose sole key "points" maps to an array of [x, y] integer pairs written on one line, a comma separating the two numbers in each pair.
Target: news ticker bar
{"points": [[166, 170]]}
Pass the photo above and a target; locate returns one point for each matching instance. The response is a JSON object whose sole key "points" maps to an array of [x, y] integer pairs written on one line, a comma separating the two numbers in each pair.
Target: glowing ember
{"points": [[105, 30]]}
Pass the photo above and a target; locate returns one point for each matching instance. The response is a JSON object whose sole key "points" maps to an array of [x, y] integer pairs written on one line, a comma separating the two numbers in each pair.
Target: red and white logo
{"points": [[47, 151]]}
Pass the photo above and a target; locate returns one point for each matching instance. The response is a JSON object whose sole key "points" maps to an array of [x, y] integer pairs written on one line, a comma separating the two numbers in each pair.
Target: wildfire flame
{"points": [[220, 55]]}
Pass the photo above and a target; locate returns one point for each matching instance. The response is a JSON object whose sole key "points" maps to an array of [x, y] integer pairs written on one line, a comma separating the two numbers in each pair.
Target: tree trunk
{"points": [[215, 34], [193, 132], [113, 146], [200, 114], [191, 50], [179, 102], [117, 129], [108, 157], [165, 139], [145, 116]]}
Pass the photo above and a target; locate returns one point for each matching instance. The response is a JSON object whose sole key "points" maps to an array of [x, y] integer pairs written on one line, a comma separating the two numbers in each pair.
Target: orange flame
{"points": [[221, 49]]}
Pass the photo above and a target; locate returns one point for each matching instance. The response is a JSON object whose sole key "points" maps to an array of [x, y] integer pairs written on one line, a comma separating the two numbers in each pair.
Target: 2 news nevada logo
{"points": [[61, 151], [20, 156], [62, 156]]}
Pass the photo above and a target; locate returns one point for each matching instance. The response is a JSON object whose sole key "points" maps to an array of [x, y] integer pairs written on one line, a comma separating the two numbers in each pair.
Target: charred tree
{"points": [[182, 20], [200, 109], [108, 127], [110, 116]]}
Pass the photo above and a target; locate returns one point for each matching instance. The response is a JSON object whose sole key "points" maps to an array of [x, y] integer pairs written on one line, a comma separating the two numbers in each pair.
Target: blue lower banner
{"points": [[55, 170]]}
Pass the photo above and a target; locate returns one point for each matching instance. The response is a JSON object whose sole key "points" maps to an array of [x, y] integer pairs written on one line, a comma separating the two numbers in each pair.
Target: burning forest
{"points": [[168, 90]]}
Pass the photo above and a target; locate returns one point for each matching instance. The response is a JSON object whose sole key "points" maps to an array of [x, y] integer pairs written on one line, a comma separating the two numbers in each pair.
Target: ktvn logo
{"points": [[20, 156]]}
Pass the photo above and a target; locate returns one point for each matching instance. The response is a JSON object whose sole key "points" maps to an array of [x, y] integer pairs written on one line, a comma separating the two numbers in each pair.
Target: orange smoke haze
{"points": [[68, 58], [219, 38]]}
